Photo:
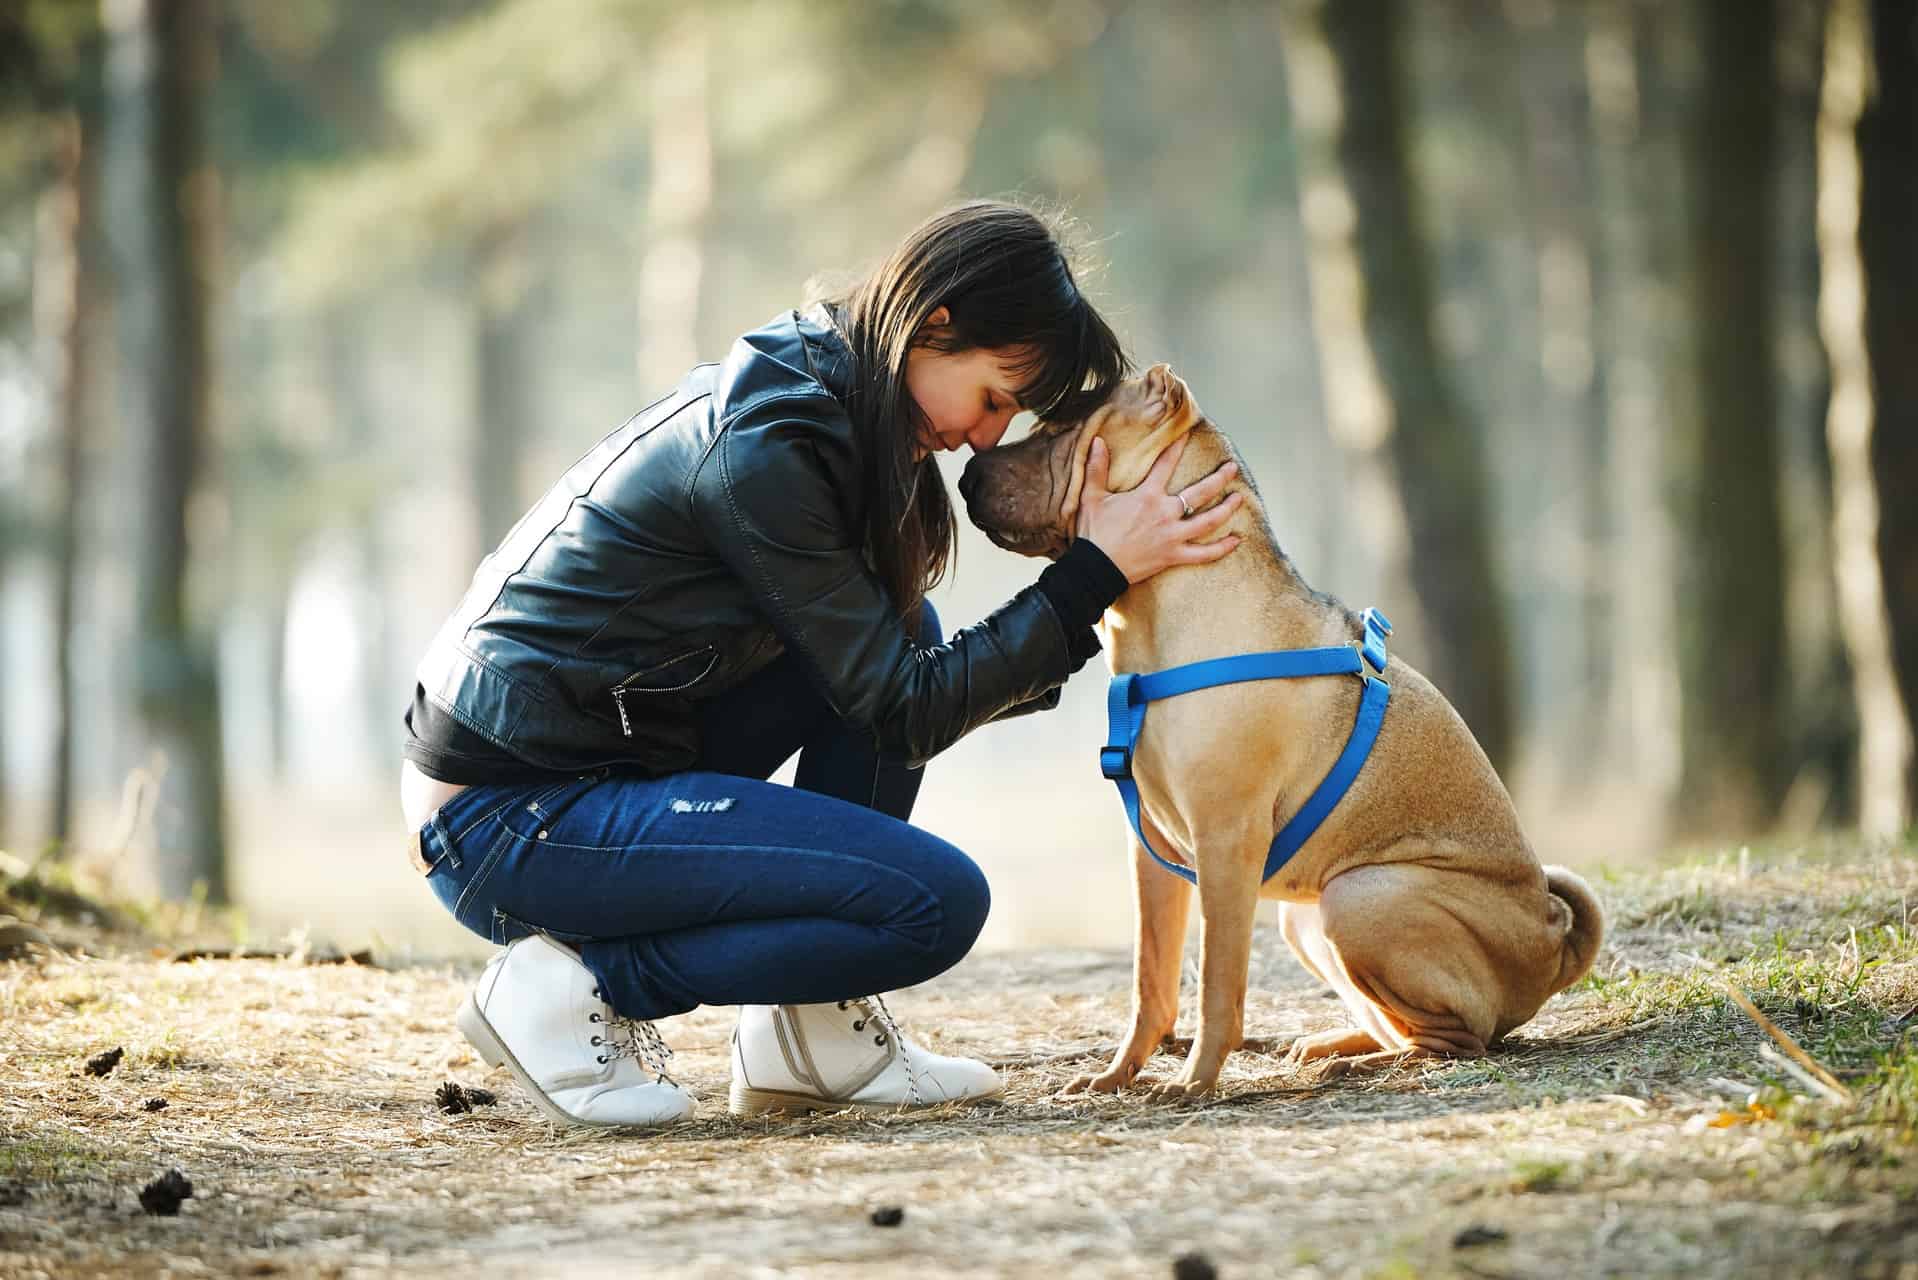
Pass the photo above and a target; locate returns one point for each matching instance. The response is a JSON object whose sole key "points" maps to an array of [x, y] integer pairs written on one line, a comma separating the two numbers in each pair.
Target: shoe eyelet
{"points": [[879, 1039], [596, 1043], [859, 1024], [601, 1059], [843, 1004], [592, 1017]]}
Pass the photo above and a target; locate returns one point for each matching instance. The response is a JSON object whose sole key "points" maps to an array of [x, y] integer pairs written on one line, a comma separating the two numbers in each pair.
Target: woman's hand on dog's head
{"points": [[1145, 530]]}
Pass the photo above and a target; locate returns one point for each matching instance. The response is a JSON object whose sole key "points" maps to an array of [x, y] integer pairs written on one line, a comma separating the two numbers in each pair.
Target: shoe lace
{"points": [[875, 1010], [632, 1038]]}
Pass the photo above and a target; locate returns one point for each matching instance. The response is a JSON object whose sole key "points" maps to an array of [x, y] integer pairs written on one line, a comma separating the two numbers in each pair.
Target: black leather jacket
{"points": [[691, 547]]}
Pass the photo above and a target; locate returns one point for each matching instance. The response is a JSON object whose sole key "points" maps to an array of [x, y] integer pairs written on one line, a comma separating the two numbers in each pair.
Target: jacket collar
{"points": [[831, 354]]}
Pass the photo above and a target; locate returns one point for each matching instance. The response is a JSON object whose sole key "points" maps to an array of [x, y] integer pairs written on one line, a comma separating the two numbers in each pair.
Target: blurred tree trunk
{"points": [[64, 306], [1486, 236], [1887, 225], [500, 373], [6, 548], [1867, 207], [274, 602], [1569, 474], [1385, 390], [382, 689], [678, 204], [159, 216], [1731, 639], [1821, 727], [1632, 154]]}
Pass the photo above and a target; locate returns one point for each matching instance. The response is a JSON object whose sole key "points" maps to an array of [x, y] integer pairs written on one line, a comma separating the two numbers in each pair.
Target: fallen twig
{"points": [[1046, 1059], [1815, 1075], [1802, 1076]]}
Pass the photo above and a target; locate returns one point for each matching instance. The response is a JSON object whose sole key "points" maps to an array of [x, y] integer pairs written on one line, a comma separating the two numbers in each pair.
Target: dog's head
{"points": [[1026, 496]]}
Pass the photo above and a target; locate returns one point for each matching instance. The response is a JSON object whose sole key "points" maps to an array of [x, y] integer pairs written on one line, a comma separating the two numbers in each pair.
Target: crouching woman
{"points": [[736, 575]]}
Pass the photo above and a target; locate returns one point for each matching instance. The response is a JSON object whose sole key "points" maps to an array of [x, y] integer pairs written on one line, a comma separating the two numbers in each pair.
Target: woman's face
{"points": [[964, 397]]}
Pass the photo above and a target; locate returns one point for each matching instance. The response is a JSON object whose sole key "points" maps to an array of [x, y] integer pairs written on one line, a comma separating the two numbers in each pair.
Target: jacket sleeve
{"points": [[767, 496]]}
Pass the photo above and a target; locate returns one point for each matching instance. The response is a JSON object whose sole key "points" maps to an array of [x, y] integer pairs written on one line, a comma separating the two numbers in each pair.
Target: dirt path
{"points": [[1612, 1135]]}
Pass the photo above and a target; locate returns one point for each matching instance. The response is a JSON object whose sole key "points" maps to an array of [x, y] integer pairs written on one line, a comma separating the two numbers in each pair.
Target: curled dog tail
{"points": [[1585, 929]]}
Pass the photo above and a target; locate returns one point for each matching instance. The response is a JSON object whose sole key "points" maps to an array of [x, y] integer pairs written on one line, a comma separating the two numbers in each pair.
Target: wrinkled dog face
{"points": [[1026, 496], [1016, 493]]}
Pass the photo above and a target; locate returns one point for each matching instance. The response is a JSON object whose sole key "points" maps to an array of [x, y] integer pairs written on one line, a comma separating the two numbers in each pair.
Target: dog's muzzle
{"points": [[969, 480]]}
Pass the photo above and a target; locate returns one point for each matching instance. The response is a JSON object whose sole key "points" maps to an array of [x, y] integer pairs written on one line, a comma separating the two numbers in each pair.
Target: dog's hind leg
{"points": [[1161, 902], [1303, 927], [1331, 1044], [1414, 971], [1300, 927]]}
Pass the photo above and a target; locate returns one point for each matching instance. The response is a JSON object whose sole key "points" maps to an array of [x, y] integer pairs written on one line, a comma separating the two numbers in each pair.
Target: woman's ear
{"points": [[940, 318]]}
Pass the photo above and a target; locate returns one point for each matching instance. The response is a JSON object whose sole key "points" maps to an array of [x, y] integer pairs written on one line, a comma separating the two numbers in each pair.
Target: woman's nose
{"points": [[988, 433]]}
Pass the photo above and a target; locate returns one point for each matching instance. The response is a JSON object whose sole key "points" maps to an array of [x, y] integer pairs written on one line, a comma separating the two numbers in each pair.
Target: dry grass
{"points": [[1615, 1133]]}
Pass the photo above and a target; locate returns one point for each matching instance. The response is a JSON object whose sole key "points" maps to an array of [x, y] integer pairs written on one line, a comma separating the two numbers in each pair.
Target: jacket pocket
{"points": [[673, 675]]}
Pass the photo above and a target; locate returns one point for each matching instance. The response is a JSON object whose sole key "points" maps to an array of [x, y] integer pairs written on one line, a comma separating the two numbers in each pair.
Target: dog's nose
{"points": [[969, 479]]}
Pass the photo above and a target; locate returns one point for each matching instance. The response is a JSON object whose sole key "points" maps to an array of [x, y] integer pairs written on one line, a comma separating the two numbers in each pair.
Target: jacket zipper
{"points": [[621, 690]]}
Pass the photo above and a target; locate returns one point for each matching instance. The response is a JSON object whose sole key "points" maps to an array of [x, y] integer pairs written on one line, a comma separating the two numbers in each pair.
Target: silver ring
{"points": [[1185, 512]]}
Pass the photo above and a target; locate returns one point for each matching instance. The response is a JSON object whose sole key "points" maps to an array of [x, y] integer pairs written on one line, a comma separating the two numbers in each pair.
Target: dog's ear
{"points": [[1159, 380], [1076, 472], [1170, 410]]}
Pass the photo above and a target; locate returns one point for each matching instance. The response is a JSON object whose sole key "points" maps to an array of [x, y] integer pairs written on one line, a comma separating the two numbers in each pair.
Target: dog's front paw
{"points": [[1111, 1080], [1182, 1090]]}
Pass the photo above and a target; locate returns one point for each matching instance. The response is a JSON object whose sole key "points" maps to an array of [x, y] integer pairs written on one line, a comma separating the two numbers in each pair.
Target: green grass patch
{"points": [[166, 1055], [50, 893], [1890, 1093], [1695, 908], [1536, 1176], [47, 1160], [1817, 988]]}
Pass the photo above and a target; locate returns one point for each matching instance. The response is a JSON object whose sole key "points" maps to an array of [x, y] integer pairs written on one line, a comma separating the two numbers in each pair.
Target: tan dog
{"points": [[1418, 900]]}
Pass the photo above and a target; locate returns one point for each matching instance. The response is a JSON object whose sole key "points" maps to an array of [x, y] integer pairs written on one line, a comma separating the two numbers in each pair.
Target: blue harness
{"points": [[1128, 695]]}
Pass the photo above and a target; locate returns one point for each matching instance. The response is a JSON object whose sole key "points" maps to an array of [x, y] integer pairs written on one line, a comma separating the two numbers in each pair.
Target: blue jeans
{"points": [[714, 886]]}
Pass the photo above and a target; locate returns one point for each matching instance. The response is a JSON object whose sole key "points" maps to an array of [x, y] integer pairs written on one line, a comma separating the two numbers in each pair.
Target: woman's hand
{"points": [[1147, 529]]}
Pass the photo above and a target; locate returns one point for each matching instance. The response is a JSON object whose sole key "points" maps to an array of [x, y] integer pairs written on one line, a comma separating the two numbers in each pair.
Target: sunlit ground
{"points": [[1640, 1125]]}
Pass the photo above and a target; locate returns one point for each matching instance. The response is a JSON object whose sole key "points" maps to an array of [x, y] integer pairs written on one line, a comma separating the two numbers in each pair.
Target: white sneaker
{"points": [[812, 1057], [537, 1011]]}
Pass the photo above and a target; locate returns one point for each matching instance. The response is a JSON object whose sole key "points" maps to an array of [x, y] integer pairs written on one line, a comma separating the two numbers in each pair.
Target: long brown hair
{"points": [[1000, 270]]}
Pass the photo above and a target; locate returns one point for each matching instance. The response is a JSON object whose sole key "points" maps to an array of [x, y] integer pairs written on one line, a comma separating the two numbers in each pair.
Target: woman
{"points": [[735, 575]]}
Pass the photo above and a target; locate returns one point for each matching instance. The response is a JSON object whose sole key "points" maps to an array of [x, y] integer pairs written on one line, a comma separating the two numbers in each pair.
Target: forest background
{"points": [[1580, 337]]}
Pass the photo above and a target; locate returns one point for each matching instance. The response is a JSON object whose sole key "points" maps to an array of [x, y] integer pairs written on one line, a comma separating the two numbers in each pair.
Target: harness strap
{"points": [[1128, 696]]}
